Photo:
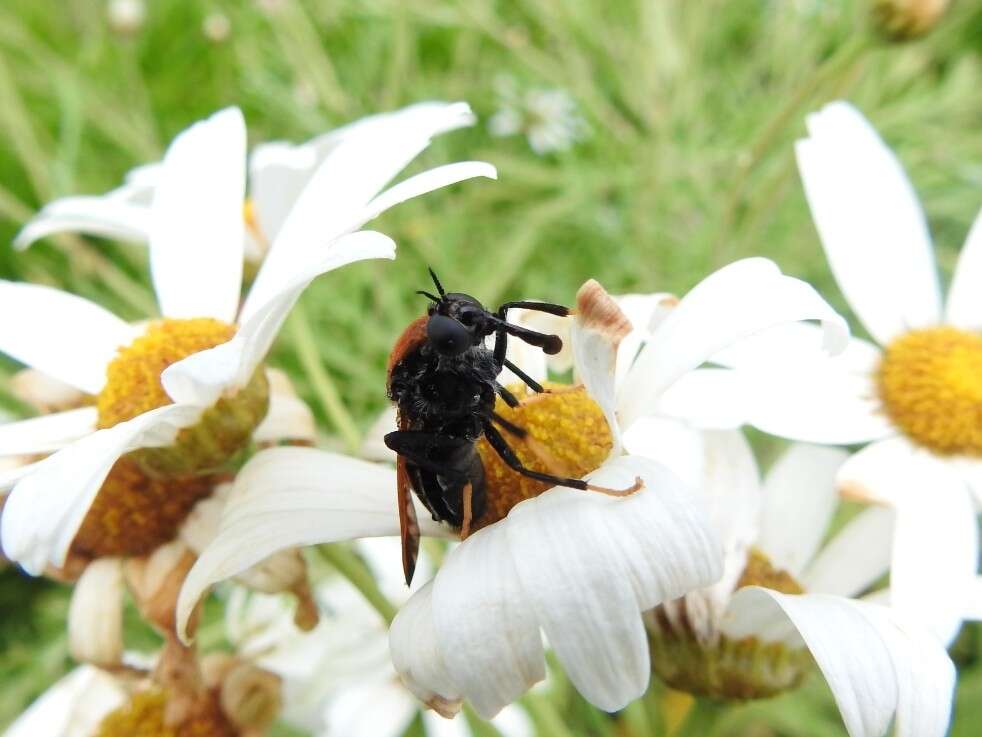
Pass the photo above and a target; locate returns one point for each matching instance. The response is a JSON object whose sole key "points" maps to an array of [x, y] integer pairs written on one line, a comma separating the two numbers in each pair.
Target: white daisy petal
{"points": [[106, 217], [291, 497], [487, 633], [417, 655], [903, 674], [427, 181], [964, 307], [198, 227], [278, 172], [46, 508], [202, 377], [62, 335], [973, 610], [369, 710], [935, 550], [708, 398], [855, 558], [735, 302], [288, 418], [590, 563], [814, 404], [675, 444], [72, 707], [46, 433], [798, 345], [870, 222], [95, 616], [799, 500], [876, 474], [336, 199], [13, 469]]}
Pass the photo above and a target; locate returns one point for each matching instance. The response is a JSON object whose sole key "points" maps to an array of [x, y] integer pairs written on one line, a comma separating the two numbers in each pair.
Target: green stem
{"points": [[353, 568], [324, 387], [547, 719], [702, 719]]}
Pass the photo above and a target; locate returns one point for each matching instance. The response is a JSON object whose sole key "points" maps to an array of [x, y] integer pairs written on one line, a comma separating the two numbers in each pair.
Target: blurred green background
{"points": [[685, 163]]}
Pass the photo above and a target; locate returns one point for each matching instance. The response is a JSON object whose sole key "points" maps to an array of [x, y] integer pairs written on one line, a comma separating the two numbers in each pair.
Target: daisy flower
{"points": [[914, 397], [548, 118], [578, 566], [184, 396], [223, 695], [338, 679], [788, 600], [278, 173]]}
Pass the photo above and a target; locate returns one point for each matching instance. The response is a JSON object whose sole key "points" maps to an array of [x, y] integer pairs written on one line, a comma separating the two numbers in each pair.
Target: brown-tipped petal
{"points": [[155, 581]]}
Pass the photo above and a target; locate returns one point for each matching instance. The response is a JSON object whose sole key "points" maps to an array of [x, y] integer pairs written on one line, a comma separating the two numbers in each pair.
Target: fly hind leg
{"points": [[502, 448]]}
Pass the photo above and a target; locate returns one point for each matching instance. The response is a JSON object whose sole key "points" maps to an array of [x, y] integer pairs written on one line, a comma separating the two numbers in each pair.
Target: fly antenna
{"points": [[439, 286], [427, 294]]}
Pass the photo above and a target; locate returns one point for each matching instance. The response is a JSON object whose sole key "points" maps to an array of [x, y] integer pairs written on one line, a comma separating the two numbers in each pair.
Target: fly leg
{"points": [[501, 447]]}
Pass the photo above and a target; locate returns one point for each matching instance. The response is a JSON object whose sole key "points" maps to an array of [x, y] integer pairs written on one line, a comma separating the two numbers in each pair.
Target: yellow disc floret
{"points": [[133, 377], [133, 387], [134, 513], [930, 383], [719, 667], [143, 716], [566, 435]]}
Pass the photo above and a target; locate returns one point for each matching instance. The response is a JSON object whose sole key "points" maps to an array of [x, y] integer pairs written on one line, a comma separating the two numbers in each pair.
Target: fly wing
{"points": [[408, 526]]}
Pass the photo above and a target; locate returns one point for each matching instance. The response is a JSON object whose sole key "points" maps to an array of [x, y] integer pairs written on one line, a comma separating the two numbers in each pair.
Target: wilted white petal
{"points": [[856, 557], [64, 336], [105, 216], [204, 376], [95, 617], [46, 433], [72, 707], [198, 226], [903, 673], [935, 549], [868, 216], [735, 302], [291, 497], [597, 331], [799, 499], [46, 508], [964, 307]]}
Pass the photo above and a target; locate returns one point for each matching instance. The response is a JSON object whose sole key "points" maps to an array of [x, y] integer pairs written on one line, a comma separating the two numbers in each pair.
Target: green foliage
{"points": [[692, 108]]}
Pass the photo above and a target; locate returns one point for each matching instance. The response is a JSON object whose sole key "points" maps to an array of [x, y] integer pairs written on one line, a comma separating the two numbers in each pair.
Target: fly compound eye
{"points": [[447, 335]]}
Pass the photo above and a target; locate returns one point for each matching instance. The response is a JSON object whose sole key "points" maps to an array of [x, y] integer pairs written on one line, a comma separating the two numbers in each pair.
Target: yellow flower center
{"points": [[713, 665], [566, 435], [133, 377], [143, 716], [134, 513], [133, 387], [930, 383]]}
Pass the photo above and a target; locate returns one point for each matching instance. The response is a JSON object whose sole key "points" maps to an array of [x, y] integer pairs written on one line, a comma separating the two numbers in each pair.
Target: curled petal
{"points": [[107, 216], [904, 674]]}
